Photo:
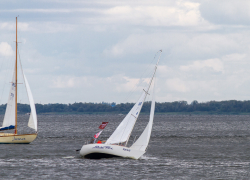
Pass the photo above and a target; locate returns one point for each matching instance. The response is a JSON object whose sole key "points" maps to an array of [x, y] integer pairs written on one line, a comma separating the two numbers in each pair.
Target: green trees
{"points": [[165, 107]]}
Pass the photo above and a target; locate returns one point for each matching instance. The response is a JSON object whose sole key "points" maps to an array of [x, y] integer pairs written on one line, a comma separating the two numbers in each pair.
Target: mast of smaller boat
{"points": [[16, 82]]}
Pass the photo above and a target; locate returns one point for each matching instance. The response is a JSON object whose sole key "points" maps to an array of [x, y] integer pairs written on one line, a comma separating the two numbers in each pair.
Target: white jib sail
{"points": [[33, 118], [123, 131], [10, 115], [142, 142]]}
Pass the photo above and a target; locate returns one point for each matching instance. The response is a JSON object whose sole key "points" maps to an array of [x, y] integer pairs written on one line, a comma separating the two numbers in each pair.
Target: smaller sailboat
{"points": [[116, 144], [10, 117]]}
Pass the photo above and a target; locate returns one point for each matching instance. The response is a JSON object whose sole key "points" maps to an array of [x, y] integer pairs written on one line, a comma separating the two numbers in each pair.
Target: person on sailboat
{"points": [[92, 141]]}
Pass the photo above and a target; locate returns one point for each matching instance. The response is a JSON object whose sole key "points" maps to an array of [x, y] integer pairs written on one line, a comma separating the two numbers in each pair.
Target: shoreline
{"points": [[146, 113]]}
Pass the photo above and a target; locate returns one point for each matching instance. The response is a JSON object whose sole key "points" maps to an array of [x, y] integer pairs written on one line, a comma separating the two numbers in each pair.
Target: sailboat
{"points": [[10, 117], [116, 144]]}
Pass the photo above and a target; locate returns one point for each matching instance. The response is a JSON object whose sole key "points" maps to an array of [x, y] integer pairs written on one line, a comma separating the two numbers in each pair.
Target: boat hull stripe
{"points": [[7, 128]]}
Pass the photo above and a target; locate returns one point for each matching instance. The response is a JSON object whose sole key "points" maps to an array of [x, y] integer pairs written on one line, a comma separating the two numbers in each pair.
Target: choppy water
{"points": [[181, 147]]}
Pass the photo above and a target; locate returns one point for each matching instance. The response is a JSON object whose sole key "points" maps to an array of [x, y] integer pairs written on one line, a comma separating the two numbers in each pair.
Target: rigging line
{"points": [[146, 93], [136, 86], [21, 67]]}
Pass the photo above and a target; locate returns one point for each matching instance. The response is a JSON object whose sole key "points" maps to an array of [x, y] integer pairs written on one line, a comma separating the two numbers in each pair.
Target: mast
{"points": [[154, 72], [16, 83], [147, 90]]}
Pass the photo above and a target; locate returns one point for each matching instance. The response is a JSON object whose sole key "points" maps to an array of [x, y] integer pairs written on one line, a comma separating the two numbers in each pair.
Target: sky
{"points": [[95, 51]]}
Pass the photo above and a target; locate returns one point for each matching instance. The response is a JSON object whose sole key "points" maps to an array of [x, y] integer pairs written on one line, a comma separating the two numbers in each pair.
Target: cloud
{"points": [[5, 49], [12, 26], [114, 88], [229, 12], [182, 14], [96, 51], [177, 84], [126, 86], [131, 84], [215, 64], [207, 45], [120, 83], [41, 27], [146, 13], [144, 42], [38, 10], [235, 57], [179, 44], [52, 27], [156, 14], [68, 82]]}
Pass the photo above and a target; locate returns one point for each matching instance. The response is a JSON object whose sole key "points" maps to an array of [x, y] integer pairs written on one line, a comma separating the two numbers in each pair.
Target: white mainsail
{"points": [[142, 142], [33, 118], [10, 115], [123, 131]]}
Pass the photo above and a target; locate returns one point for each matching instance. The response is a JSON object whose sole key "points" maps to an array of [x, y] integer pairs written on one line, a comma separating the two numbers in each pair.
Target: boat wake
{"points": [[69, 157], [148, 158]]}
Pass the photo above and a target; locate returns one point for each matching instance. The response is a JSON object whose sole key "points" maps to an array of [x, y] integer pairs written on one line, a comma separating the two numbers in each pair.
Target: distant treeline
{"points": [[231, 106]]}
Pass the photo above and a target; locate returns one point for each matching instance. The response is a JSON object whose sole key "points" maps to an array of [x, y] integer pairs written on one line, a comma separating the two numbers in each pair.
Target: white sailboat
{"points": [[116, 144], [10, 117]]}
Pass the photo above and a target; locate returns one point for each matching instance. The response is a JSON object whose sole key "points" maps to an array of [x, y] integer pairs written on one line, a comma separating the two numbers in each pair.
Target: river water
{"points": [[181, 147]]}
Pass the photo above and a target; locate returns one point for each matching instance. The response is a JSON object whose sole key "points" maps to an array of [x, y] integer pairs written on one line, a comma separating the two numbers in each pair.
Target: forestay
{"points": [[123, 131], [10, 115]]}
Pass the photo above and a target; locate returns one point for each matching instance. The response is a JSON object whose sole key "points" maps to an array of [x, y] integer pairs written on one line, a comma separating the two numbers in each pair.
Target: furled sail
{"points": [[33, 118], [142, 142], [10, 115], [123, 131]]}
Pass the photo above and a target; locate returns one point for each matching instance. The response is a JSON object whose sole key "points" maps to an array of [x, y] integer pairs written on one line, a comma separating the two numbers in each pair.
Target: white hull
{"points": [[9, 138], [98, 151]]}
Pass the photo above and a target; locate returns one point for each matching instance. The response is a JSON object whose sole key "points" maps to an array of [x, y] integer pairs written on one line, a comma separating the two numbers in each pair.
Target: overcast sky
{"points": [[94, 51]]}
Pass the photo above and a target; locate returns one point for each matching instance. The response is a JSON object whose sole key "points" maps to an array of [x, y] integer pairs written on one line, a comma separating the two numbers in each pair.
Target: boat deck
{"points": [[7, 134]]}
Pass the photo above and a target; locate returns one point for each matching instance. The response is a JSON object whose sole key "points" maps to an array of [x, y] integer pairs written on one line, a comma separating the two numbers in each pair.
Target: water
{"points": [[181, 147]]}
